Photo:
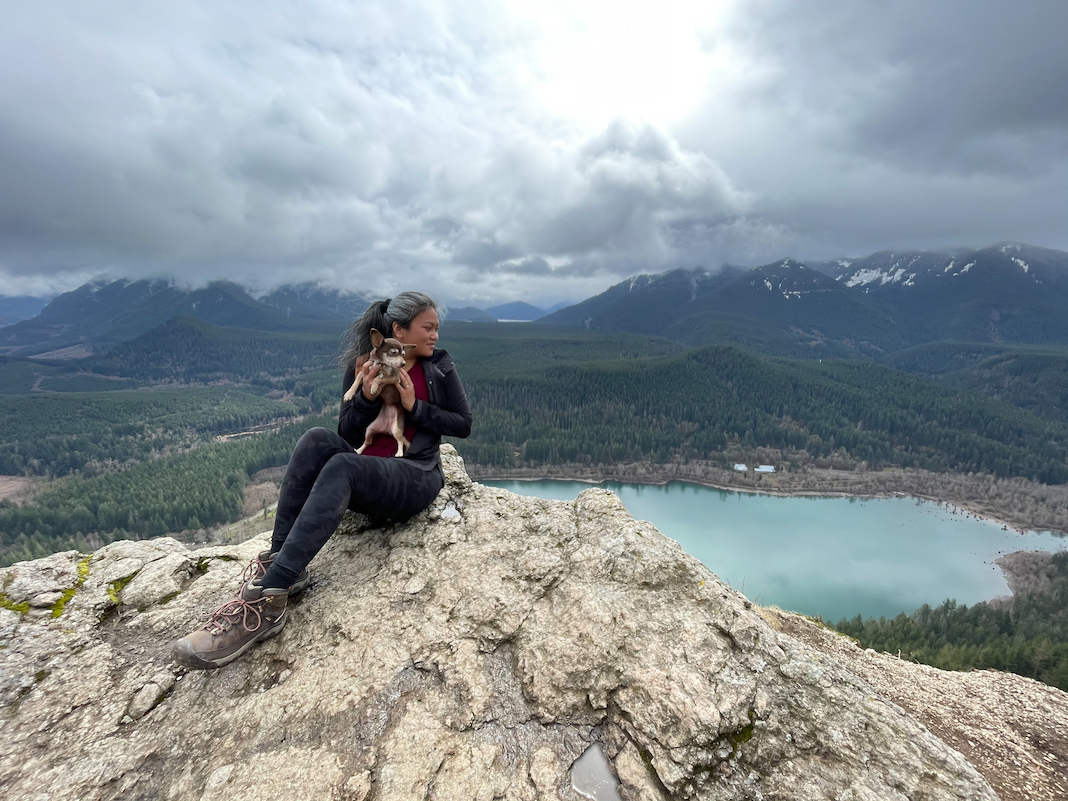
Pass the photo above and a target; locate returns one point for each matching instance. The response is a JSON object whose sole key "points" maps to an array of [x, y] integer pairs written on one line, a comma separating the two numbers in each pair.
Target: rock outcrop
{"points": [[1013, 729], [474, 652]]}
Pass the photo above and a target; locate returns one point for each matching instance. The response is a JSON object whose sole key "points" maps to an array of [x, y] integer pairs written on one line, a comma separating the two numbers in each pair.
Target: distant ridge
{"points": [[20, 307], [1008, 292], [517, 310], [469, 314], [1005, 294], [644, 303], [314, 301], [100, 314], [868, 307]]}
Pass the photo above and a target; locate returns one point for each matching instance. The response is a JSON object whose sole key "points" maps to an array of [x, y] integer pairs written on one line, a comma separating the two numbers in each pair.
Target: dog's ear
{"points": [[376, 338], [408, 348]]}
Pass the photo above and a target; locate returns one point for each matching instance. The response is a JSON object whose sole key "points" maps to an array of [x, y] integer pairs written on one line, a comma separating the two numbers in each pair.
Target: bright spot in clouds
{"points": [[640, 59]]}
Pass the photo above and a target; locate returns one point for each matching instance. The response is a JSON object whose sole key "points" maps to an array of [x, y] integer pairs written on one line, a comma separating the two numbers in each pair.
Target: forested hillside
{"points": [[54, 434], [188, 490], [1032, 378], [1028, 635], [720, 402], [133, 436], [185, 350]]}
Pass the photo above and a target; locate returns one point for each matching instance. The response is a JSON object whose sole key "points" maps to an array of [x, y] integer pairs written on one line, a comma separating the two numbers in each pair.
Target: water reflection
{"points": [[592, 776], [834, 557]]}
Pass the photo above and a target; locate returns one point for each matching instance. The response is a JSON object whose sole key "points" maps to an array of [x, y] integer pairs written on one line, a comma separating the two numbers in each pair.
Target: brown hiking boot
{"points": [[257, 569], [256, 614]]}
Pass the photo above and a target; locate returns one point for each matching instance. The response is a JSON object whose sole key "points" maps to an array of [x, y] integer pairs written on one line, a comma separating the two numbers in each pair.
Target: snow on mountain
{"points": [[862, 277], [790, 278], [893, 271]]}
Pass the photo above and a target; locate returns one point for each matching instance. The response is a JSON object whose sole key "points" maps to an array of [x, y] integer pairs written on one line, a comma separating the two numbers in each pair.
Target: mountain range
{"points": [[889, 301], [885, 303], [106, 312]]}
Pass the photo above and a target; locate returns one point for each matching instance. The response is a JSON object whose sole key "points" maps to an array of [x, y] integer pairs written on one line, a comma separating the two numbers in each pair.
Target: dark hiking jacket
{"points": [[447, 412]]}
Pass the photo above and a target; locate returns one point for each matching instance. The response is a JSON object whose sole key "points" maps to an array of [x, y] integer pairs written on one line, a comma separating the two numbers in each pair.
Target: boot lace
{"points": [[255, 569], [234, 611]]}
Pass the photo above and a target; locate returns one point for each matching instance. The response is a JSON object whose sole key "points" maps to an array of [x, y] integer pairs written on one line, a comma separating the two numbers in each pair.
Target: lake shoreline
{"points": [[892, 554], [1016, 504]]}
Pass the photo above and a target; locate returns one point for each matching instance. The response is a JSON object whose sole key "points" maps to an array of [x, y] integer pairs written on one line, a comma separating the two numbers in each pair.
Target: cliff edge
{"points": [[474, 652]]}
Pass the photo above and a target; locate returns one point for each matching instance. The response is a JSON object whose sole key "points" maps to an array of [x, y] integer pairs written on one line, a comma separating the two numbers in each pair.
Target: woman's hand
{"points": [[407, 391], [368, 374]]}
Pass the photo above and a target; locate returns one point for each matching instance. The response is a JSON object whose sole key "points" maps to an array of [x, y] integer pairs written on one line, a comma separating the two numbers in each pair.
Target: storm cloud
{"points": [[450, 147], [864, 126]]}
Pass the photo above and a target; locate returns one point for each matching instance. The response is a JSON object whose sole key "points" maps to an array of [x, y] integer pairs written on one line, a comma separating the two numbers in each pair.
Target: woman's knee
{"points": [[340, 468], [317, 445], [311, 453], [315, 438]]}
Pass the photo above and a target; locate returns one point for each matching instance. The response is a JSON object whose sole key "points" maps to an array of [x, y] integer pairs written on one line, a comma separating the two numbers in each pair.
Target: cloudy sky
{"points": [[518, 149]]}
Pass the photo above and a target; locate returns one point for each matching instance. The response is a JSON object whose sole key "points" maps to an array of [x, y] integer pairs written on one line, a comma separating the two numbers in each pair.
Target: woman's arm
{"points": [[453, 419], [356, 414]]}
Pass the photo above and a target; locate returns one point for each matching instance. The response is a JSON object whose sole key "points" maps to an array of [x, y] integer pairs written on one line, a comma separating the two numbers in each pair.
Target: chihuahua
{"points": [[389, 353]]}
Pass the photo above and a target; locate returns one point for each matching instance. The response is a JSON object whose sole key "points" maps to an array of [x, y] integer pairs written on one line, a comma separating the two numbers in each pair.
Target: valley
{"points": [[183, 427], [977, 424]]}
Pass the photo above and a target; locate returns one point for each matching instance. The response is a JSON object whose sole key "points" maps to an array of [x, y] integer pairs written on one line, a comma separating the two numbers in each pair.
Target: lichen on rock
{"points": [[473, 652]]}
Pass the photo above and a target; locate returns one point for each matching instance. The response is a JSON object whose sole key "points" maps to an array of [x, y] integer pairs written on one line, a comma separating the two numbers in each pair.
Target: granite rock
{"points": [[474, 652], [1013, 729]]}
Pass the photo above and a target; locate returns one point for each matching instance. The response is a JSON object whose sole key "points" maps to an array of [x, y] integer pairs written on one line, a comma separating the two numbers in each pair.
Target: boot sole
{"points": [[186, 657]]}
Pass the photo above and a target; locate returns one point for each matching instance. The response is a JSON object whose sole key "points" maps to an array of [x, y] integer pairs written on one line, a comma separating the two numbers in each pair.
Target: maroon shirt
{"points": [[384, 444]]}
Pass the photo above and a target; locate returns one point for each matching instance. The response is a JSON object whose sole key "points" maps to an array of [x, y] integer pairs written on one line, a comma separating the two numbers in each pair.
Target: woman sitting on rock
{"points": [[325, 475]]}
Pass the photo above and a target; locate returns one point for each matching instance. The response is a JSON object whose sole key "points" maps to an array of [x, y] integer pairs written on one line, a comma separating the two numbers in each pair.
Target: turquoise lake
{"points": [[833, 557]]}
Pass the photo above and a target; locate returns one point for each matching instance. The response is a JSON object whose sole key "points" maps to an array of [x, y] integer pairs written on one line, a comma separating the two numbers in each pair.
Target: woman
{"points": [[325, 476]]}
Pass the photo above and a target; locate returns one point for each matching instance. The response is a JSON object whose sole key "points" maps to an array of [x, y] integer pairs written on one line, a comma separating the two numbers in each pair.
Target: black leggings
{"points": [[323, 479]]}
